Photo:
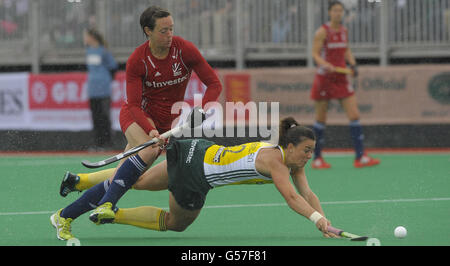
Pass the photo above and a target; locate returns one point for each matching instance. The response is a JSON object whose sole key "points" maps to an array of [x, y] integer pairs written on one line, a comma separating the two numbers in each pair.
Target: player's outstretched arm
{"points": [[301, 183], [280, 177]]}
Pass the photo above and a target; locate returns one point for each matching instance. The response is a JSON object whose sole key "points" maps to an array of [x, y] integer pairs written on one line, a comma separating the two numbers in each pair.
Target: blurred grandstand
{"points": [[49, 32], [39, 36]]}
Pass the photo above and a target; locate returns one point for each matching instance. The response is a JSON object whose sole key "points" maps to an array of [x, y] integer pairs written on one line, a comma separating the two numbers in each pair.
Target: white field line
{"points": [[269, 205], [33, 161]]}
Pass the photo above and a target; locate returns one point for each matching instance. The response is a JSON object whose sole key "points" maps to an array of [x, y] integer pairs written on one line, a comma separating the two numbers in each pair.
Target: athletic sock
{"points": [[86, 202], [91, 179], [319, 128], [357, 138], [127, 174], [148, 217]]}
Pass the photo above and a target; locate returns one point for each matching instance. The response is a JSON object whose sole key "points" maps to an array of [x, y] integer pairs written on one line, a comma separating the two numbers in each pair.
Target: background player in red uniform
{"points": [[330, 50], [157, 74]]}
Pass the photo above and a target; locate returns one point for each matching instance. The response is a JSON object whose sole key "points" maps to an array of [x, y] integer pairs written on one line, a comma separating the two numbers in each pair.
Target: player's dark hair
{"points": [[333, 3], [97, 36], [292, 132], [150, 15]]}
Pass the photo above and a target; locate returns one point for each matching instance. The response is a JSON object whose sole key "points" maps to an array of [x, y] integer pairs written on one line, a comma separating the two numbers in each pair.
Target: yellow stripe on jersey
{"points": [[234, 165], [255, 181], [221, 155]]}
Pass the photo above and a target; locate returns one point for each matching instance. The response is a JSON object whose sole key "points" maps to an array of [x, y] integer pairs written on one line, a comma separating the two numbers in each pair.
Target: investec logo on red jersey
{"points": [[162, 84]]}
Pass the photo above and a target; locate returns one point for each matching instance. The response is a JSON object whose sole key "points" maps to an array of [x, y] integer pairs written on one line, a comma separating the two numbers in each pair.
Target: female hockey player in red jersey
{"points": [[157, 74], [330, 51]]}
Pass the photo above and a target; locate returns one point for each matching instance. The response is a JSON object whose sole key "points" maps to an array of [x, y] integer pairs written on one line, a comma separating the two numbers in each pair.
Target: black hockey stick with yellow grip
{"points": [[342, 233], [195, 119]]}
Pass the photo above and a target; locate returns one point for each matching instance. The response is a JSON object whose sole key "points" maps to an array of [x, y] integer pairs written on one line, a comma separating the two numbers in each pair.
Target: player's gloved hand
{"points": [[155, 134], [322, 225], [329, 67], [329, 234]]}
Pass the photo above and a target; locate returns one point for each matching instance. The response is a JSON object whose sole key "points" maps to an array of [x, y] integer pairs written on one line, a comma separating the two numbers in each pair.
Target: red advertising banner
{"points": [[59, 101], [118, 90], [68, 91], [237, 91], [237, 88], [50, 91]]}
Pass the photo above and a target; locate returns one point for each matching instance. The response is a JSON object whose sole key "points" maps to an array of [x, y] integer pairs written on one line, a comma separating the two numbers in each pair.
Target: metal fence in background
{"points": [[50, 31]]}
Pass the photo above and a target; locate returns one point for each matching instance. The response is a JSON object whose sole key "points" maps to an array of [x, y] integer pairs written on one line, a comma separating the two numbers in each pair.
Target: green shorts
{"points": [[187, 180]]}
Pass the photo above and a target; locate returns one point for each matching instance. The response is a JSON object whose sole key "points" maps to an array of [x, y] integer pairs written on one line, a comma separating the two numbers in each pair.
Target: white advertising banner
{"points": [[14, 101]]}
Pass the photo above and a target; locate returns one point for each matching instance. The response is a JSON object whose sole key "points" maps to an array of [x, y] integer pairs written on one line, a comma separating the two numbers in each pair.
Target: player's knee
{"points": [[149, 154], [178, 227], [138, 185], [353, 114], [354, 117], [321, 117]]}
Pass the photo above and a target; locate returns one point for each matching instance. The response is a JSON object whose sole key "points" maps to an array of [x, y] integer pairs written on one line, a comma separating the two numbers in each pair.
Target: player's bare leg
{"points": [[135, 136], [350, 106], [154, 218], [178, 218], [126, 175], [321, 109], [154, 179]]}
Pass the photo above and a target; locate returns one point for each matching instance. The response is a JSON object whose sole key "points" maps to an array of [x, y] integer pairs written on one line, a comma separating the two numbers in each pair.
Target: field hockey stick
{"points": [[343, 70], [348, 235], [195, 119], [347, 71]]}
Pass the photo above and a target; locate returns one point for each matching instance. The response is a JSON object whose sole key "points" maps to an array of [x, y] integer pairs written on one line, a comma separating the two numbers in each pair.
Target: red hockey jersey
{"points": [[334, 47], [154, 85]]}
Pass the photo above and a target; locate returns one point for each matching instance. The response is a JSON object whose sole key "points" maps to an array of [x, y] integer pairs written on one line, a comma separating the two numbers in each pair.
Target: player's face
{"points": [[88, 39], [302, 153], [163, 32], [336, 13]]}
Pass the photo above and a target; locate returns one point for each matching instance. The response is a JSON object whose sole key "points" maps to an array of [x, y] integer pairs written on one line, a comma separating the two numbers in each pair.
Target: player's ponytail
{"points": [[292, 132]]}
